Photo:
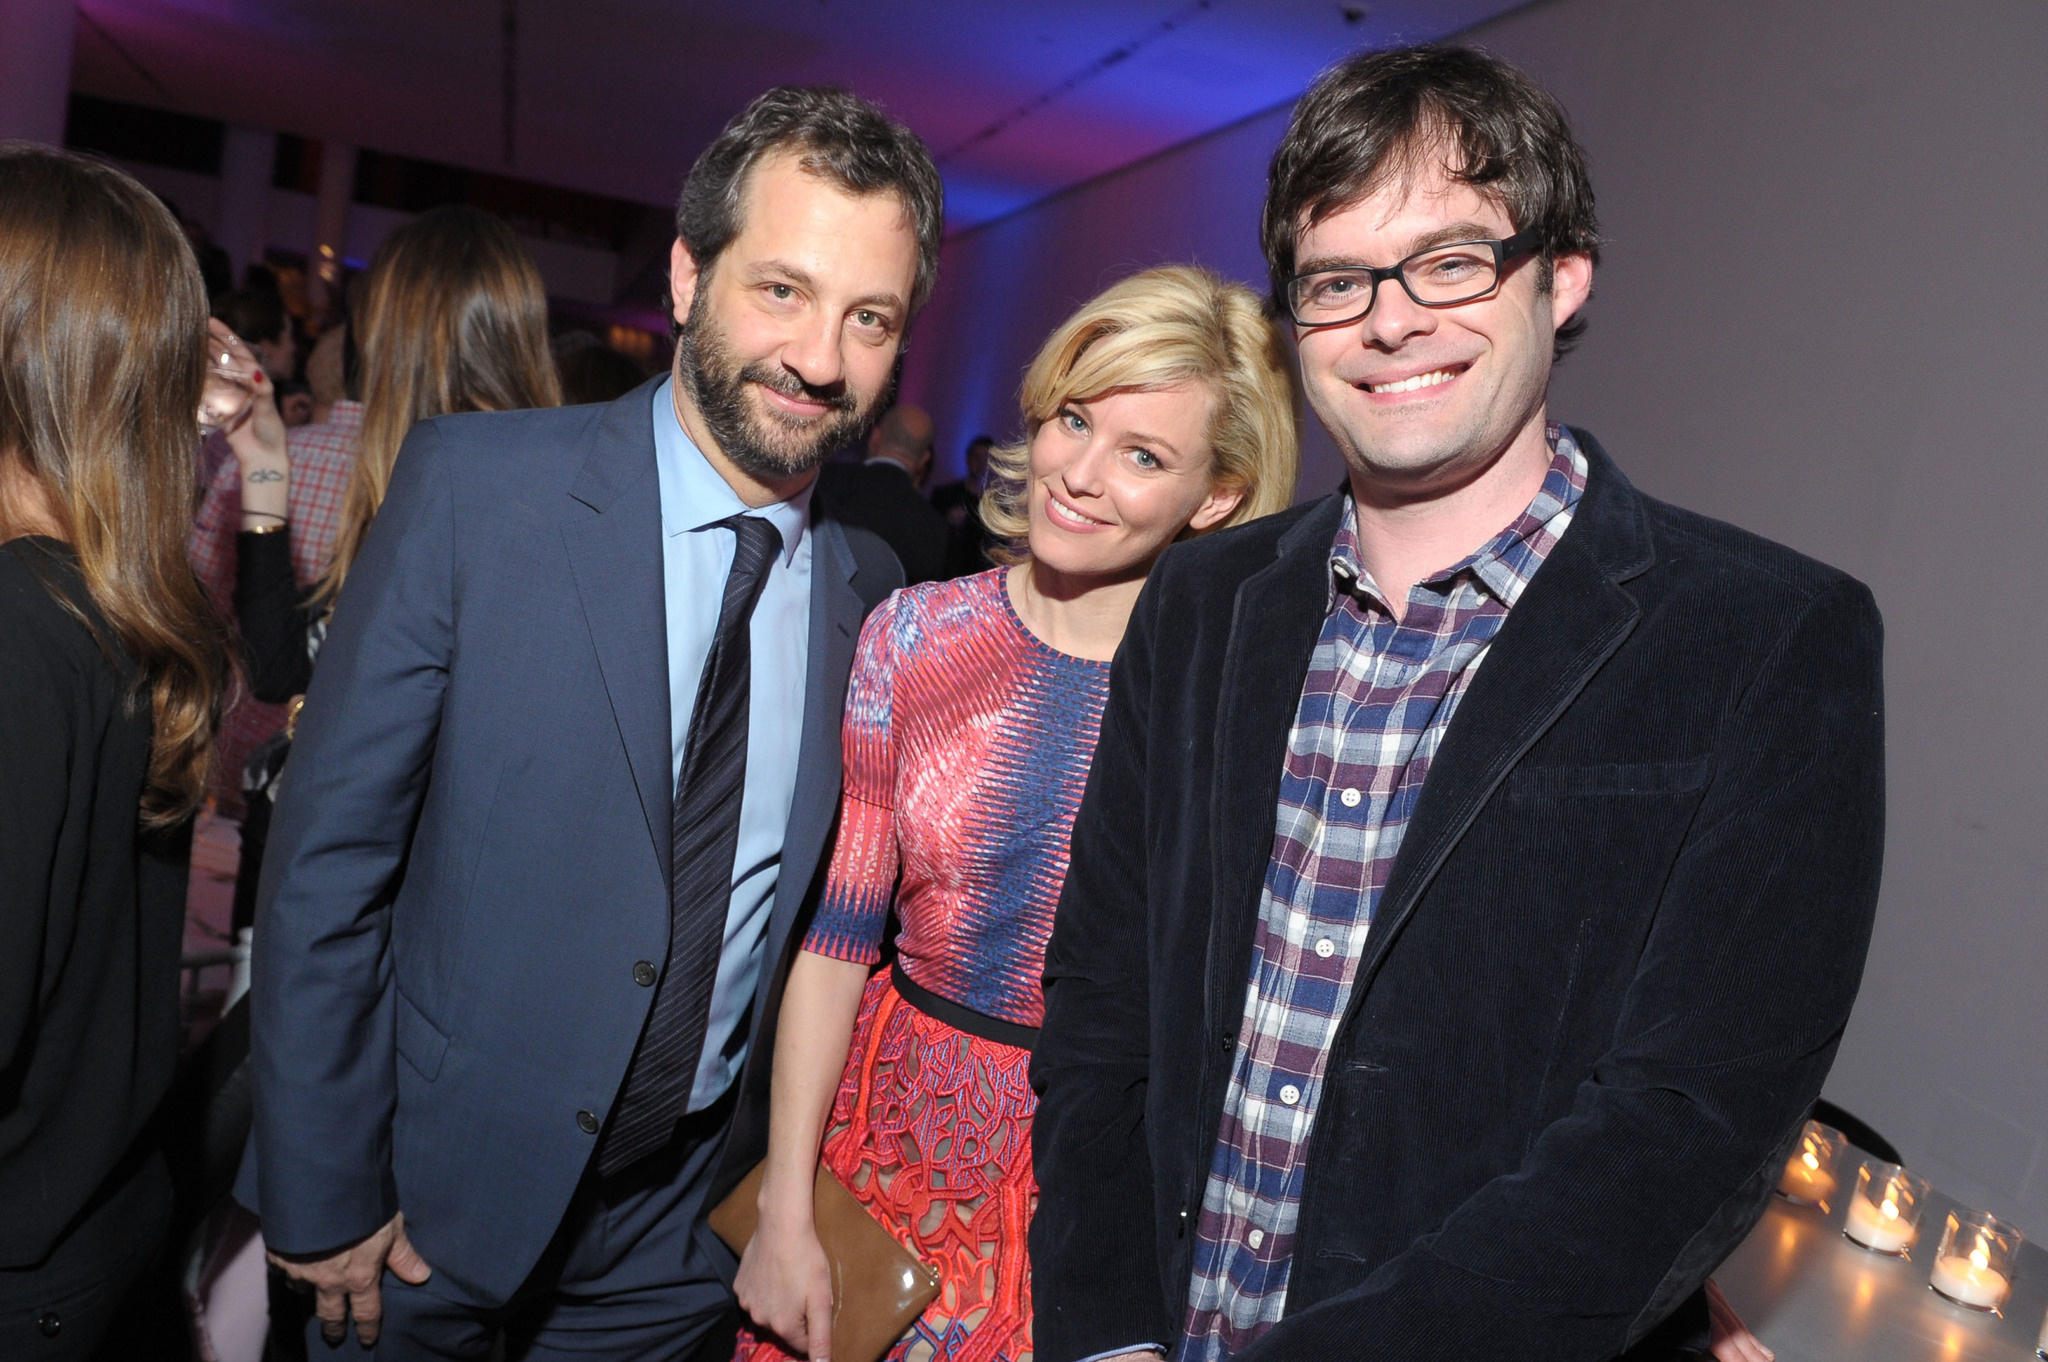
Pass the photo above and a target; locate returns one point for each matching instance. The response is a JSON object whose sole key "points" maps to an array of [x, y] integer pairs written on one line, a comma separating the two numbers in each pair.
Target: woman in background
{"points": [[454, 319], [110, 675], [1160, 410]]}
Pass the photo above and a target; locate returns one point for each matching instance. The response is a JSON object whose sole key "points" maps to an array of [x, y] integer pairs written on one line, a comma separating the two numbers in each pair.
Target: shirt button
{"points": [[587, 1121], [1290, 1094], [1326, 948], [643, 973], [1351, 796], [50, 1324], [1255, 1238]]}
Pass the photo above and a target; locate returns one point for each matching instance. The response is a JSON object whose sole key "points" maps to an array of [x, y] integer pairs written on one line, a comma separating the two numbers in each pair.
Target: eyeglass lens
{"points": [[1436, 278]]}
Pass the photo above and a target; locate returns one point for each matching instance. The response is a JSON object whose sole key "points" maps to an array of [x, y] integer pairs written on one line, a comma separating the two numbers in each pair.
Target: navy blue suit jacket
{"points": [[471, 844]]}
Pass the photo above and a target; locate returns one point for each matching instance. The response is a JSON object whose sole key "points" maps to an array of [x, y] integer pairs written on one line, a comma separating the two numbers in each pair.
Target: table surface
{"points": [[1813, 1296]]}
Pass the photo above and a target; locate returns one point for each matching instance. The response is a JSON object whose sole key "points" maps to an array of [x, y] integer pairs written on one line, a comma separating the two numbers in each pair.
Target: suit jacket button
{"points": [[643, 973], [49, 1324], [588, 1121]]}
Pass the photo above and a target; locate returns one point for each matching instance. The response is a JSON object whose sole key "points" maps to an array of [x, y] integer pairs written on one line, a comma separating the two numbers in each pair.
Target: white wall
{"points": [[1823, 315], [1003, 287]]}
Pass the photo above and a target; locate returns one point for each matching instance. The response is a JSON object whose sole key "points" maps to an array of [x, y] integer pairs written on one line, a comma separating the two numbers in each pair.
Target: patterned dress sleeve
{"points": [[861, 881]]}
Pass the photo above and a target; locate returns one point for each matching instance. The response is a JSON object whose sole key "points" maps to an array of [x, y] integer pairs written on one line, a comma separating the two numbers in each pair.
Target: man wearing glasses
{"points": [[1478, 863]]}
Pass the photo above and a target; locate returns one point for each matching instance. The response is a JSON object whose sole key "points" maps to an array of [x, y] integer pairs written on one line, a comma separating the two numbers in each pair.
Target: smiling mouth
{"points": [[1059, 511], [794, 403], [1416, 382]]}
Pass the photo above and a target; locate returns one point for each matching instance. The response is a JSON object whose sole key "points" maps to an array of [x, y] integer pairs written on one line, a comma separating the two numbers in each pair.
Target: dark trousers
{"points": [[87, 1298], [630, 1274]]}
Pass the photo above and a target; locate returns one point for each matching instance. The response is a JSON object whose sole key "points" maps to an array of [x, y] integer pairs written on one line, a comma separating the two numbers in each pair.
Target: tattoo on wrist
{"points": [[266, 475]]}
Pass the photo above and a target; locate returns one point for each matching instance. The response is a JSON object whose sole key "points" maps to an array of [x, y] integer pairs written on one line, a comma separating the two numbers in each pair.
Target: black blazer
{"points": [[275, 616], [1606, 978], [880, 496], [91, 910]]}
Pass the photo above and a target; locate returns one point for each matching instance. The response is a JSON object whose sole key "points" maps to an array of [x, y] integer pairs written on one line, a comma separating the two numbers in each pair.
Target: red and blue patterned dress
{"points": [[967, 743]]}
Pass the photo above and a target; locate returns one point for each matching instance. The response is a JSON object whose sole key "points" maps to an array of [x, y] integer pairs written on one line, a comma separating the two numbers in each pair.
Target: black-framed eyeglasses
{"points": [[1442, 276]]}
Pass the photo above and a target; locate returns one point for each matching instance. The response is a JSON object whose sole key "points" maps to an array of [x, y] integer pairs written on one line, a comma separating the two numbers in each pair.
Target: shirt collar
{"points": [[1506, 562], [694, 496]]}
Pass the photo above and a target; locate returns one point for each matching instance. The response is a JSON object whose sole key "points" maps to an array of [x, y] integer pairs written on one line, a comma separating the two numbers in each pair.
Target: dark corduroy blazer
{"points": [[1607, 976]]}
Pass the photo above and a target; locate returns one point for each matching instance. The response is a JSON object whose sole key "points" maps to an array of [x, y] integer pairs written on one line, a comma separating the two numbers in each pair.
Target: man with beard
{"points": [[562, 784]]}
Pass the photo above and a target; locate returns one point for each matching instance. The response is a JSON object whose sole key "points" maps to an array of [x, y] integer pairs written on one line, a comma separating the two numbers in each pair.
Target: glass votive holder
{"points": [[1973, 1266], [1884, 1210], [1809, 1176]]}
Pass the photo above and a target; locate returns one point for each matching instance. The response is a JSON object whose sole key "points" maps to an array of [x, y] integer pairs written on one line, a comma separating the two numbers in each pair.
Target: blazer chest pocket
{"points": [[1611, 778], [420, 1042]]}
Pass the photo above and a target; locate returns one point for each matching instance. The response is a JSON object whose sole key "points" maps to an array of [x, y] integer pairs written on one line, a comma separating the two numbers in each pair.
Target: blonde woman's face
{"points": [[1115, 479]]}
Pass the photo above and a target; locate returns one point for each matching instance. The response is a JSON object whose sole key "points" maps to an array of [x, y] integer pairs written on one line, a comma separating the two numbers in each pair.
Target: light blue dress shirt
{"points": [[695, 558]]}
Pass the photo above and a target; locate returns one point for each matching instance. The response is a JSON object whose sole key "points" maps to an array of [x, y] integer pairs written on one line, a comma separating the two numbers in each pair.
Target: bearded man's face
{"points": [[789, 338], [762, 437]]}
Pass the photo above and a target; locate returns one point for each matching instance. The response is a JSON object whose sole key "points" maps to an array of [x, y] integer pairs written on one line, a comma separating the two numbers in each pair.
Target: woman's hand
{"points": [[256, 434], [1732, 1340], [785, 1283]]}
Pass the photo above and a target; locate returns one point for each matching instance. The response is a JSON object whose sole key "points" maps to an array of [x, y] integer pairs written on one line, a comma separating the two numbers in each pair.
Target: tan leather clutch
{"points": [[878, 1288]]}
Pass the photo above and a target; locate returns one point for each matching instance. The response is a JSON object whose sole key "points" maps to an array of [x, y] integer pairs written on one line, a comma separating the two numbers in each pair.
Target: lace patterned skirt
{"points": [[931, 1131]]}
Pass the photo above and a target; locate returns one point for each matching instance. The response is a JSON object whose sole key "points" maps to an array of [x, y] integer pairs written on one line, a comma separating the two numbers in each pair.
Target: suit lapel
{"points": [[613, 538], [1275, 621], [1568, 622]]}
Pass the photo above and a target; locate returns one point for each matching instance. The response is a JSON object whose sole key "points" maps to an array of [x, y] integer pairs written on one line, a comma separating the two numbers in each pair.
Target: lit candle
{"points": [[1970, 1281], [1879, 1227], [1805, 1180]]}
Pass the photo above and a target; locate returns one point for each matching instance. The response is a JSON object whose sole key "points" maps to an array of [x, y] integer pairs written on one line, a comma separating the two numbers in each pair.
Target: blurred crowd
{"points": [[127, 1132]]}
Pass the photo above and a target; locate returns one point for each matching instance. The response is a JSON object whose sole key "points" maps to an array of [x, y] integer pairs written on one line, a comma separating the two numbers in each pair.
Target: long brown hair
{"points": [[454, 319], [102, 354]]}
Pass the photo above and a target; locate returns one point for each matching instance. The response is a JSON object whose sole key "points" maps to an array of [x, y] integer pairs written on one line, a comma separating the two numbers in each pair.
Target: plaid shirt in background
{"points": [[322, 457], [1373, 711]]}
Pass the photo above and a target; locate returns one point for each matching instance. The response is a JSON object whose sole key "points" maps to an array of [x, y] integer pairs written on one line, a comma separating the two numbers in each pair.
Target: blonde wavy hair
{"points": [[1159, 329], [102, 354]]}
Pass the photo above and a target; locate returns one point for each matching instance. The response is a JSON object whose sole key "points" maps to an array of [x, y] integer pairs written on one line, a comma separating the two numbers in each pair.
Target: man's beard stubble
{"points": [[777, 448]]}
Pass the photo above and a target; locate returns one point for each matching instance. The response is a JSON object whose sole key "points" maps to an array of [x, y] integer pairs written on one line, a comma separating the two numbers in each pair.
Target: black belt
{"points": [[978, 1024]]}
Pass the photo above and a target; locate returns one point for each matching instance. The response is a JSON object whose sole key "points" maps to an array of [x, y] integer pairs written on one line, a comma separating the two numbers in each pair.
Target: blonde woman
{"points": [[1160, 410], [110, 674]]}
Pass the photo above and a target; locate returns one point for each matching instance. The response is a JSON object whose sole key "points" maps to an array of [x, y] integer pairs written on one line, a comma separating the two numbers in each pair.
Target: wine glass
{"points": [[230, 387]]}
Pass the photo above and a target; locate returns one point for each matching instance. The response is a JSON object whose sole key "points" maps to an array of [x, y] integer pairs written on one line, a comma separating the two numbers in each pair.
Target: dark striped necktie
{"points": [[704, 835]]}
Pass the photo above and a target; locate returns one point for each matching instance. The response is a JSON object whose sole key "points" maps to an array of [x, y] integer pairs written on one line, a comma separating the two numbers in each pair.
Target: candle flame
{"points": [[1890, 1209], [1809, 1159], [1979, 1259]]}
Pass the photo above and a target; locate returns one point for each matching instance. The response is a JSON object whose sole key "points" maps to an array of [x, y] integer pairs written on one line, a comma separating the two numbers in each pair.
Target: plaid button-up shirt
{"points": [[1373, 711], [322, 458]]}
